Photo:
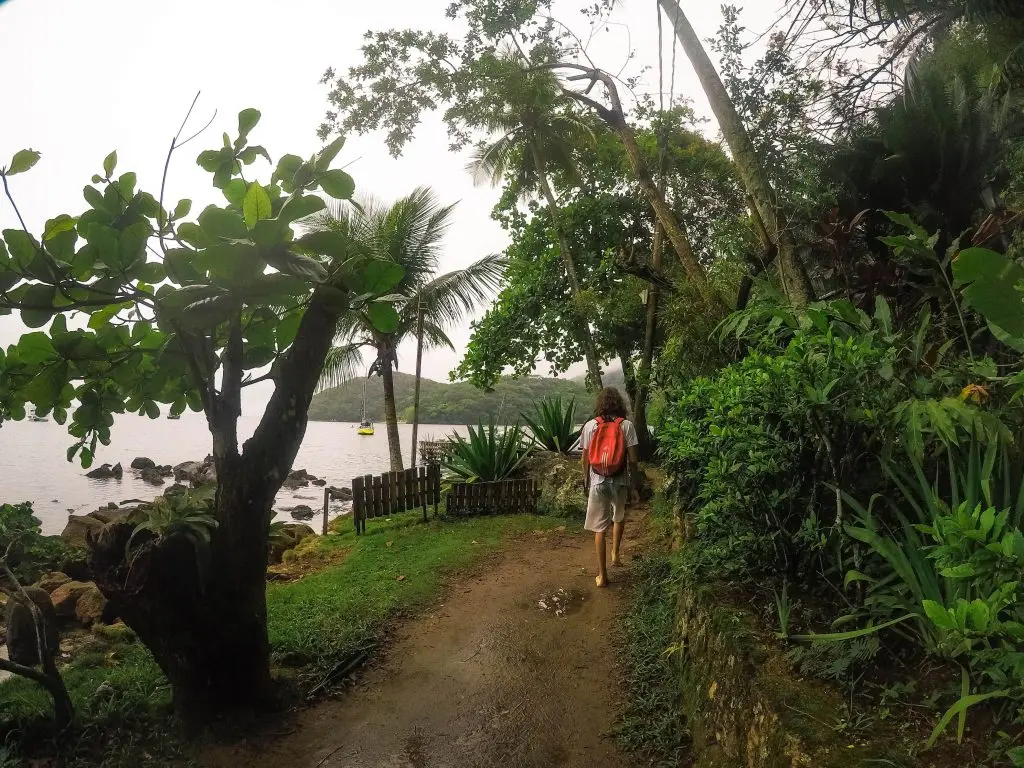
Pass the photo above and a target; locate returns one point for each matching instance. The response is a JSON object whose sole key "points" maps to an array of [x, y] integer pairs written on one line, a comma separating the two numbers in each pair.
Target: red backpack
{"points": [[607, 451]]}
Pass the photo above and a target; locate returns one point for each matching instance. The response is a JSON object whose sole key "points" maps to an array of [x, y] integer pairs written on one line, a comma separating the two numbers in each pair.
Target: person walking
{"points": [[611, 474]]}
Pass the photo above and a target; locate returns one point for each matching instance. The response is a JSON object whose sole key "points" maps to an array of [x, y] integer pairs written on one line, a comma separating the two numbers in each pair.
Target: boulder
{"points": [[50, 581], [106, 472], [296, 479], [320, 482], [152, 476], [302, 512], [79, 527], [288, 537], [187, 470], [21, 631], [90, 606], [166, 470], [142, 462], [345, 494], [118, 632], [110, 513], [66, 596], [175, 490]]}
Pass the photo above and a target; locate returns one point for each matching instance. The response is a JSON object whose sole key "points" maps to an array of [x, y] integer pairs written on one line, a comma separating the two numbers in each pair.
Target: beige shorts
{"points": [[605, 504]]}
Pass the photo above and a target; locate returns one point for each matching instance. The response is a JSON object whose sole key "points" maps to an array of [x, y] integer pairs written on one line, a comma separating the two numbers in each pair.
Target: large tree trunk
{"points": [[643, 389], [390, 412], [755, 179], [202, 611], [583, 327]]}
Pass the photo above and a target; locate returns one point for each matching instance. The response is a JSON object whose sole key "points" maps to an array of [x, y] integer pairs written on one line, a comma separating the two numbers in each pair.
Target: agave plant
{"points": [[489, 453], [553, 426], [183, 515]]}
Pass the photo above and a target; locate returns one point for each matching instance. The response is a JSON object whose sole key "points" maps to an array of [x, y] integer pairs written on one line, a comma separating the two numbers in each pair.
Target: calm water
{"points": [[33, 466]]}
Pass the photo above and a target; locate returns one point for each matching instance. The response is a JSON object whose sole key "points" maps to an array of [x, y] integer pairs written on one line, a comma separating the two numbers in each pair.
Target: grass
{"points": [[652, 724], [122, 701]]}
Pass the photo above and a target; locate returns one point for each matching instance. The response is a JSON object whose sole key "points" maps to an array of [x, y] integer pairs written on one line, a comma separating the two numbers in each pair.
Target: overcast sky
{"points": [[82, 78]]}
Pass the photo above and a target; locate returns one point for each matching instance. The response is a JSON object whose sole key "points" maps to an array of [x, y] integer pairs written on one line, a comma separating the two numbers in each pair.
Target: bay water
{"points": [[33, 465]]}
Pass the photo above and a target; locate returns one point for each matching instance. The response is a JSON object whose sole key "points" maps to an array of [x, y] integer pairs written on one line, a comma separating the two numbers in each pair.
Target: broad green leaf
{"points": [[54, 227], [299, 206], [938, 614], [384, 317], [961, 571], [234, 191], [247, 120], [337, 184], [110, 163], [152, 409], [976, 263], [182, 209], [287, 329], [381, 276], [289, 263], [249, 154], [40, 298], [23, 161], [35, 348], [287, 167], [256, 205], [325, 242], [219, 222], [210, 312], [328, 153]]}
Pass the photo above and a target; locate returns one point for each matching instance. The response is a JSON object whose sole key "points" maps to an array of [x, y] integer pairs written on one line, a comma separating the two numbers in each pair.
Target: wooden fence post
{"points": [[327, 496]]}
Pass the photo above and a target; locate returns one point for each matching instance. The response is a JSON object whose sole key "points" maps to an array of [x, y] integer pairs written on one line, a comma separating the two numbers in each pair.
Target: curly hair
{"points": [[609, 404]]}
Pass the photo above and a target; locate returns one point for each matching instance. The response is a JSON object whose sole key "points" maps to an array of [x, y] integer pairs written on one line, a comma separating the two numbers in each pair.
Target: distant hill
{"points": [[612, 377], [444, 403]]}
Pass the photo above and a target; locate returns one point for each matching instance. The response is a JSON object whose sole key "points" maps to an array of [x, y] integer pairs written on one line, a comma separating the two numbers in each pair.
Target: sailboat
{"points": [[365, 425]]}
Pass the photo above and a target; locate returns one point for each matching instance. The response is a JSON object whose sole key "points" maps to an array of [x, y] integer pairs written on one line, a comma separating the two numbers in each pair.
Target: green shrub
{"points": [[489, 453], [31, 553], [553, 427]]}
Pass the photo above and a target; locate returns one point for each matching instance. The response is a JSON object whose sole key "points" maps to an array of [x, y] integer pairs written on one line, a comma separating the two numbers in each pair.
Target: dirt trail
{"points": [[490, 677]]}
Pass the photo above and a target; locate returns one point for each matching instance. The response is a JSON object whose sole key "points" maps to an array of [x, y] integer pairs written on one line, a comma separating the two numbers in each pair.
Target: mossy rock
{"points": [[743, 705]]}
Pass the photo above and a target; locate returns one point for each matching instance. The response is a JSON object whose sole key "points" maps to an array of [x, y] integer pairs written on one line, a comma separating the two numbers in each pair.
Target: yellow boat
{"points": [[365, 425]]}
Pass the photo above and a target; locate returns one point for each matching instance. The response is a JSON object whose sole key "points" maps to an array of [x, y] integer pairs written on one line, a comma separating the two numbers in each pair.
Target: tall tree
{"points": [[533, 135], [406, 235], [748, 164], [240, 300]]}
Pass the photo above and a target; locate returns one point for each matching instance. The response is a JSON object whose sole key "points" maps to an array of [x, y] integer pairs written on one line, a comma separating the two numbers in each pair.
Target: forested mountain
{"points": [[444, 403]]}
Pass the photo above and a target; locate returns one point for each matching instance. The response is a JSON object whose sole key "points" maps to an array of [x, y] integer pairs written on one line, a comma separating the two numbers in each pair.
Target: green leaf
{"points": [[234, 191], [54, 227], [181, 210], [325, 242], [962, 705], [247, 120], [287, 167], [299, 206], [381, 276], [152, 410], [938, 614], [961, 571], [289, 263], [220, 222], [42, 297], [337, 184], [23, 161], [328, 153], [383, 316], [287, 329], [110, 163], [35, 348], [256, 205], [248, 155], [210, 312]]}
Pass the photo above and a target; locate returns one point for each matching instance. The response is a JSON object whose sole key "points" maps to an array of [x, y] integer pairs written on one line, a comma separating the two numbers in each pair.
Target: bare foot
{"points": [[601, 581], [616, 561]]}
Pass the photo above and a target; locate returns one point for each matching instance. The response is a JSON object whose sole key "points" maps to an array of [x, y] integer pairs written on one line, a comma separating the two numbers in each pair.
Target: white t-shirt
{"points": [[628, 433]]}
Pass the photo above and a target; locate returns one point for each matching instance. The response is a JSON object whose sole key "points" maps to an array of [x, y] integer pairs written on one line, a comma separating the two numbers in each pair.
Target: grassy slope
{"points": [[444, 403], [320, 619]]}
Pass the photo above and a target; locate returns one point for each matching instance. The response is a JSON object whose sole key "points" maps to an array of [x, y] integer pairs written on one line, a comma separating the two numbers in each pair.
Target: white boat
{"points": [[365, 425], [33, 416]]}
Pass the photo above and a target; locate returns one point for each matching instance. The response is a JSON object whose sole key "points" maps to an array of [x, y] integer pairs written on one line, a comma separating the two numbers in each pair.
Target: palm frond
{"points": [[448, 298], [341, 365]]}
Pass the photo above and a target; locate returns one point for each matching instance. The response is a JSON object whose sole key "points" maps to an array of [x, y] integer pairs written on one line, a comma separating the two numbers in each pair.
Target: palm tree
{"points": [[408, 235], [535, 137], [748, 164]]}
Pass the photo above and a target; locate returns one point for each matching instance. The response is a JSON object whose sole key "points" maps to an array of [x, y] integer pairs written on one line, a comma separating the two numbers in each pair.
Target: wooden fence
{"points": [[501, 496], [394, 492]]}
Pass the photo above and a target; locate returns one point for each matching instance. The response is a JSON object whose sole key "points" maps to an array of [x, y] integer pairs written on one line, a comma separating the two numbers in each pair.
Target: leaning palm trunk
{"points": [[589, 347], [390, 412], [751, 171]]}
